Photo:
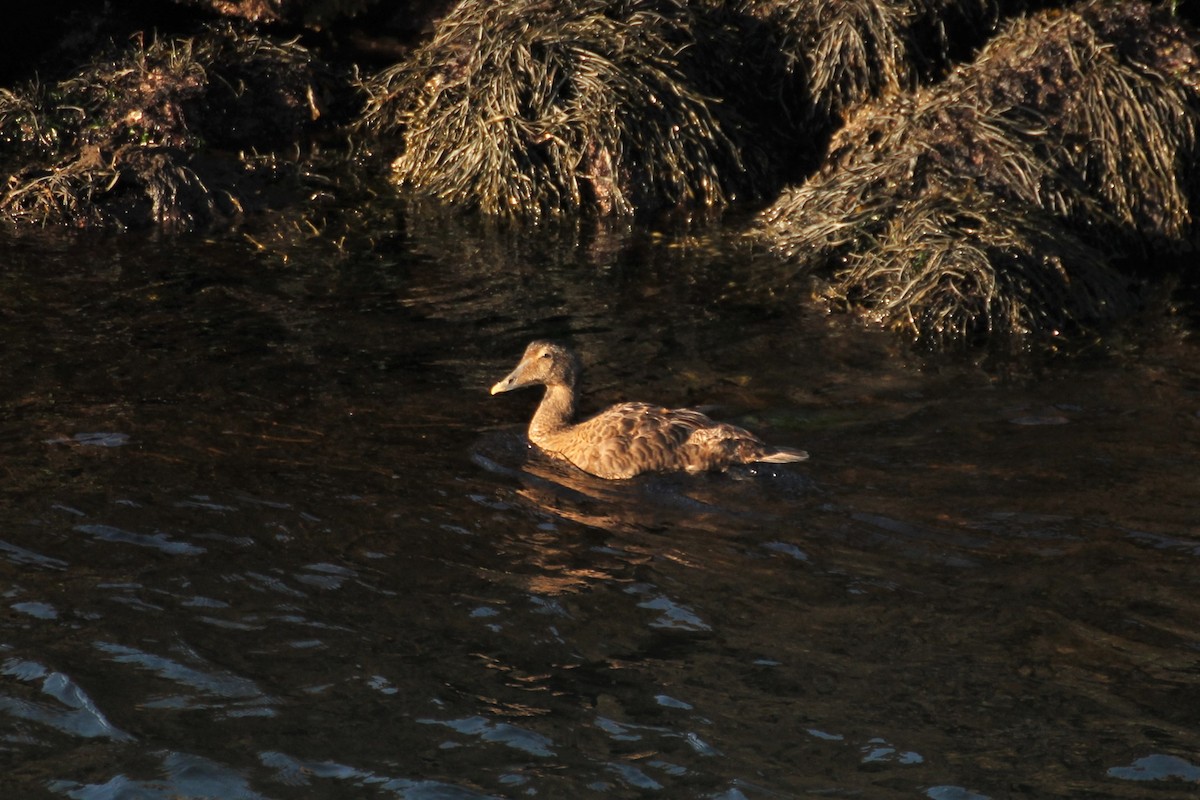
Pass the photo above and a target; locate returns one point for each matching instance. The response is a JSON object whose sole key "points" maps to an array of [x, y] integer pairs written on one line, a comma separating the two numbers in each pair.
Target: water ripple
{"points": [[1158, 767], [158, 541], [211, 682], [675, 616], [527, 741], [633, 776], [80, 717], [953, 793], [296, 772], [184, 775], [36, 609], [20, 555], [97, 439]]}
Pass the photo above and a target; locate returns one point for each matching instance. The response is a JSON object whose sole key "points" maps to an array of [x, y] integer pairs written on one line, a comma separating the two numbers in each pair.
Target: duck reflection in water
{"points": [[629, 438]]}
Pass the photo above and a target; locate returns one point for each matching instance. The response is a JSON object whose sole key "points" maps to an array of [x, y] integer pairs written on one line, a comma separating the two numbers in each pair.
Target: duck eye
{"points": [[545, 354]]}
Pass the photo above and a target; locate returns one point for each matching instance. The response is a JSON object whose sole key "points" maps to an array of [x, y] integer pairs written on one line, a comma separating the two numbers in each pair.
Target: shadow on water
{"points": [[265, 535]]}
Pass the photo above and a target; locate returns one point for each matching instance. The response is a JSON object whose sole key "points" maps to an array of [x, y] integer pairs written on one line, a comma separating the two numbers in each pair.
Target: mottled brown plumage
{"points": [[629, 438]]}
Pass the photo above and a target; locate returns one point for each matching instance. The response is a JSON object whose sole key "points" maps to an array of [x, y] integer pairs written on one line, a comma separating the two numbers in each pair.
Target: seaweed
{"points": [[163, 133], [846, 53], [1068, 160], [528, 108], [963, 265]]}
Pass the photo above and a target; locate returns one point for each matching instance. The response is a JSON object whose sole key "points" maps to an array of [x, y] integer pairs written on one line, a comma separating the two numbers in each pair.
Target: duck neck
{"points": [[555, 413]]}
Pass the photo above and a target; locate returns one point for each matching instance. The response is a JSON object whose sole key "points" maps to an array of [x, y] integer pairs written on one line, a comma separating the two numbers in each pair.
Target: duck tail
{"points": [[782, 455]]}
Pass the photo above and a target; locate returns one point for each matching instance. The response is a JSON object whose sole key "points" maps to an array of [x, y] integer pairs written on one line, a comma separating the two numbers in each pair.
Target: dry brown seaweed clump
{"points": [[136, 139], [524, 108], [1015, 196]]}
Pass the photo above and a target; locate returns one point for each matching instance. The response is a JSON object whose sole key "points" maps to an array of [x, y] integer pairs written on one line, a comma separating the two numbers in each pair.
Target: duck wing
{"points": [[632, 438], [623, 440]]}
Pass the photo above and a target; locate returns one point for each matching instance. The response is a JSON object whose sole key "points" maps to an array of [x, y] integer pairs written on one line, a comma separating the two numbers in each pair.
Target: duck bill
{"points": [[510, 381]]}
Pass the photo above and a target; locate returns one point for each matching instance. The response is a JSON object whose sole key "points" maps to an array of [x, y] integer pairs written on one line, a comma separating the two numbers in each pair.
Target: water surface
{"points": [[265, 535]]}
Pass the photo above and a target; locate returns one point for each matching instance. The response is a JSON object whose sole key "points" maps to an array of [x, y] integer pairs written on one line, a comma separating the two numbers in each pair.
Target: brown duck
{"points": [[629, 438]]}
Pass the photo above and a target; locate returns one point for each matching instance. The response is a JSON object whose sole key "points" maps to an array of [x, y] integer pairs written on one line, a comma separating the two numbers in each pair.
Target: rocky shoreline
{"points": [[955, 171]]}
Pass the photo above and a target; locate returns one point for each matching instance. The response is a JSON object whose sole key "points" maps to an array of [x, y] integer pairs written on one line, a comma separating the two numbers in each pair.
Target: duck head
{"points": [[543, 362]]}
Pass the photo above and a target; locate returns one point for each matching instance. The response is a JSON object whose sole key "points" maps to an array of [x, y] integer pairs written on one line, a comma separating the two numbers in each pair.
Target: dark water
{"points": [[265, 535]]}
